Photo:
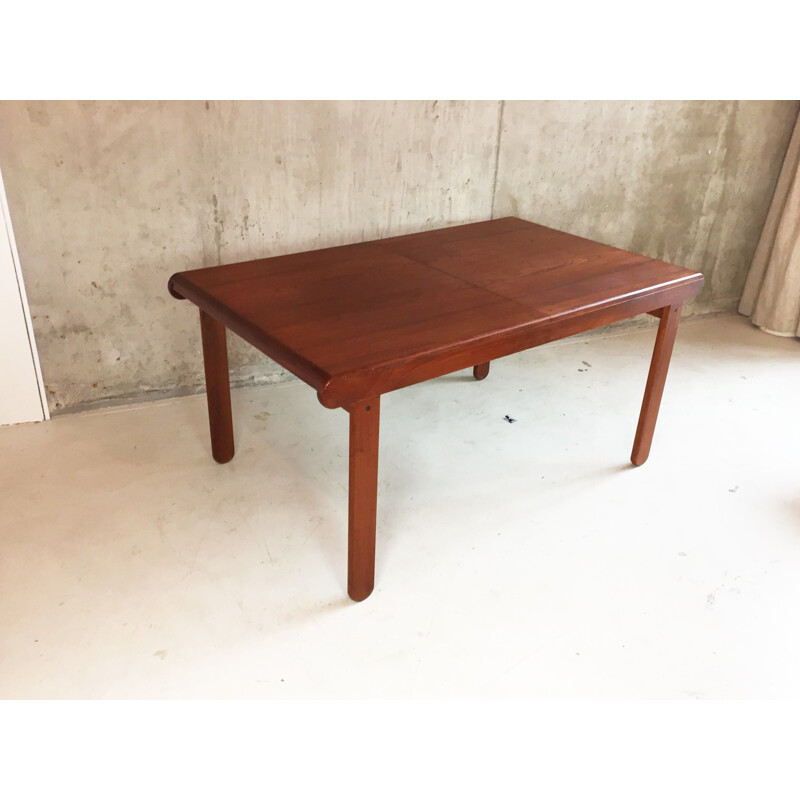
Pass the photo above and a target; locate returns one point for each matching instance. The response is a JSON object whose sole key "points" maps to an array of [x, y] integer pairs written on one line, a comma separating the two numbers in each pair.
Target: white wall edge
{"points": [[23, 298]]}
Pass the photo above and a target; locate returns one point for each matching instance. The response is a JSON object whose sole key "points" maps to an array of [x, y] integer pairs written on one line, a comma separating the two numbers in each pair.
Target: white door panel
{"points": [[21, 395]]}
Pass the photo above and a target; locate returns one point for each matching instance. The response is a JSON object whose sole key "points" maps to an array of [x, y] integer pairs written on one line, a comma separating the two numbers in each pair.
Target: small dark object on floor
{"points": [[508, 419], [586, 363]]}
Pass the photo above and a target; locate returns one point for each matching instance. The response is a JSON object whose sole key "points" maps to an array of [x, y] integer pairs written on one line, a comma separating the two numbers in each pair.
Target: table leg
{"points": [[665, 338], [480, 371], [364, 425], [218, 389]]}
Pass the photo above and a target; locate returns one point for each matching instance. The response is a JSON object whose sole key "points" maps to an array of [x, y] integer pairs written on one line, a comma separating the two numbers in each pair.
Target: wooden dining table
{"points": [[359, 320]]}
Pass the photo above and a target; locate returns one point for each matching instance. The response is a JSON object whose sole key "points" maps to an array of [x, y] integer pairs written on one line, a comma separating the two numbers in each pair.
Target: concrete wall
{"points": [[685, 182], [109, 198]]}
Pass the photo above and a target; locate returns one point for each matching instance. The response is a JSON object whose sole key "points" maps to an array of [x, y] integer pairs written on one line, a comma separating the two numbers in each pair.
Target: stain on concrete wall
{"points": [[110, 198], [687, 182]]}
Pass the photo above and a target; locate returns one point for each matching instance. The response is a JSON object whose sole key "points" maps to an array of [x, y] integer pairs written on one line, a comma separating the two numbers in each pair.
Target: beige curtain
{"points": [[771, 295]]}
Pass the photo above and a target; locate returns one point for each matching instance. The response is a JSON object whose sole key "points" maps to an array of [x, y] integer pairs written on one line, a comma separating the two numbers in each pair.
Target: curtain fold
{"points": [[771, 296]]}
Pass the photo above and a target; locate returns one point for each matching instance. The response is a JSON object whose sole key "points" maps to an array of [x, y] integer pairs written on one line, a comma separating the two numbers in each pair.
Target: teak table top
{"points": [[359, 320]]}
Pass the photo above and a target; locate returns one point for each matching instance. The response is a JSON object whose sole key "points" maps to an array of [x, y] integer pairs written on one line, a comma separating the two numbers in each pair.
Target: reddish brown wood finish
{"points": [[357, 321], [480, 371], [361, 320], [364, 424], [662, 352], [218, 392]]}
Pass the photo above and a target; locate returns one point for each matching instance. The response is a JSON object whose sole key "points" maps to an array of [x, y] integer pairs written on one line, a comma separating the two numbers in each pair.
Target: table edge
{"points": [[349, 388], [271, 347]]}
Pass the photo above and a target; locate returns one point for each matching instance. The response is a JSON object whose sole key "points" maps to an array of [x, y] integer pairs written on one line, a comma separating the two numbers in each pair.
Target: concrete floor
{"points": [[520, 560]]}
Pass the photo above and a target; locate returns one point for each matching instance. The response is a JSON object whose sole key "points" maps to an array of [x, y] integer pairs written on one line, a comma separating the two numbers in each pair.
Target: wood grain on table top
{"points": [[356, 320]]}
